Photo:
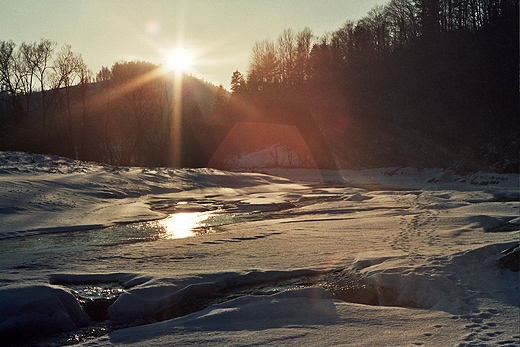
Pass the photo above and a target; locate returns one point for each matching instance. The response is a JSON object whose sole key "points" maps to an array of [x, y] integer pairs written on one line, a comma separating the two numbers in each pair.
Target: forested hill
{"points": [[414, 83], [424, 83], [125, 117]]}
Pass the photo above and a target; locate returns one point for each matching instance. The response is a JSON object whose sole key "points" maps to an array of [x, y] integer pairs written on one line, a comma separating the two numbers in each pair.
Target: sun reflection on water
{"points": [[184, 224]]}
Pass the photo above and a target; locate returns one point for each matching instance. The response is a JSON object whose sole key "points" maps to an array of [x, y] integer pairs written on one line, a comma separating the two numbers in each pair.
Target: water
{"points": [[19, 250], [187, 221], [184, 224]]}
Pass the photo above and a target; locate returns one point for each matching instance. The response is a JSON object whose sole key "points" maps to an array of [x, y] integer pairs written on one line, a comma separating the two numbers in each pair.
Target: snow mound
{"points": [[290, 309], [160, 302], [309, 306], [37, 310], [445, 286]]}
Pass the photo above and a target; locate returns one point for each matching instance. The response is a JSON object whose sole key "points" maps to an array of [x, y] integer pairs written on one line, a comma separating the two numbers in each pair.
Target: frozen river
{"points": [[104, 256]]}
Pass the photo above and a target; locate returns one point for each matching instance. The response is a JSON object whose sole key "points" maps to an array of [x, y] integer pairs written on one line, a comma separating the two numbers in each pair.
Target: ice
{"points": [[389, 256]]}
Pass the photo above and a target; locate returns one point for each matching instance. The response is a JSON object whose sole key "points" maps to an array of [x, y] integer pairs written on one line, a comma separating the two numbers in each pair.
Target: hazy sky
{"points": [[220, 33]]}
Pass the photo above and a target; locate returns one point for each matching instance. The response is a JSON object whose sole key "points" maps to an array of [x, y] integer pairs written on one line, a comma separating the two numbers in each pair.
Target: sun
{"points": [[179, 60]]}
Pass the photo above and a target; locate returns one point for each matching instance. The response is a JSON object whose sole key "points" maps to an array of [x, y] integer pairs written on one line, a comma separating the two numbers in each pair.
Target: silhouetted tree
{"points": [[287, 52], [13, 75], [280, 68], [304, 42], [69, 68], [238, 83], [403, 24], [41, 58], [264, 69], [88, 136], [378, 24], [324, 62], [221, 101], [24, 74], [429, 17], [104, 74], [134, 82]]}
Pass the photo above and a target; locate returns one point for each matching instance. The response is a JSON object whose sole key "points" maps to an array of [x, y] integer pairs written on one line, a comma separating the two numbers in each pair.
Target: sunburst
{"points": [[179, 60]]}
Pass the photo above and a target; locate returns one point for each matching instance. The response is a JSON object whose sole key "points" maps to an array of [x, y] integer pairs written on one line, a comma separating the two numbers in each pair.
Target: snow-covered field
{"points": [[98, 255]]}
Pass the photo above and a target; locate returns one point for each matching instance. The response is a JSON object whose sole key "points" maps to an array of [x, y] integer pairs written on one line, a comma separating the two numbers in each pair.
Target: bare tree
{"points": [[8, 95], [376, 20], [264, 67], [304, 42], [7, 71], [26, 71], [105, 104], [287, 57], [69, 69], [87, 131], [343, 40], [38, 56], [403, 22]]}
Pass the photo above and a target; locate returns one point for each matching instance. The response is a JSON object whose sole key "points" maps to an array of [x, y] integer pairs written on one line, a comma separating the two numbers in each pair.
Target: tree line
{"points": [[50, 102], [293, 58], [414, 82], [26, 75]]}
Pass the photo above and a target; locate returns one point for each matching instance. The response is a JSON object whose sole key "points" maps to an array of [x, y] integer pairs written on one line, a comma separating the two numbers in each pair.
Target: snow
{"points": [[375, 257], [38, 308]]}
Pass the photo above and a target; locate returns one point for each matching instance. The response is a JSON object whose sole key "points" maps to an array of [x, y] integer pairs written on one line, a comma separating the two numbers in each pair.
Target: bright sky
{"points": [[219, 34]]}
